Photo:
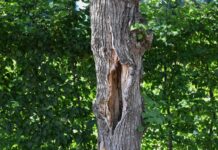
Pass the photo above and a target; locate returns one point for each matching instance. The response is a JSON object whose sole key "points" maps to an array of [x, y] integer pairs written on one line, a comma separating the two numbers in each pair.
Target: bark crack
{"points": [[115, 91]]}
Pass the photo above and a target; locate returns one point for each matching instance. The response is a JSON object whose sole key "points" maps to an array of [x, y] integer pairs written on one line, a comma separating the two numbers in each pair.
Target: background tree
{"points": [[181, 76], [46, 90]]}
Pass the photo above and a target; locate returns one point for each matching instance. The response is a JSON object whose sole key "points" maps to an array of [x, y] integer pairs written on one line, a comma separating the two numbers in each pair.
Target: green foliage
{"points": [[138, 26], [46, 89], [181, 79]]}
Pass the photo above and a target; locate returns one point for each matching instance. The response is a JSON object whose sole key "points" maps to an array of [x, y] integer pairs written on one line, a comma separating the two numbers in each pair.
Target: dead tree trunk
{"points": [[118, 62]]}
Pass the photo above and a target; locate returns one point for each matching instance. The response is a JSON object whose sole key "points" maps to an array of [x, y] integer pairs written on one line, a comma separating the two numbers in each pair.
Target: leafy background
{"points": [[47, 77]]}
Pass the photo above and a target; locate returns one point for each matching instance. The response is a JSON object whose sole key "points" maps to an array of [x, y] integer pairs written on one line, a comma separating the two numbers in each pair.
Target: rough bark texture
{"points": [[118, 61]]}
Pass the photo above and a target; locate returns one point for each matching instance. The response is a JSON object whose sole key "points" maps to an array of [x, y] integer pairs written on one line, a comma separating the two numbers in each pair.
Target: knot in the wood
{"points": [[141, 40]]}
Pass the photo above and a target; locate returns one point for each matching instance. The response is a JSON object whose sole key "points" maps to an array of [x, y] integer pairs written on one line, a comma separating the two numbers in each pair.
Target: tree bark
{"points": [[118, 62]]}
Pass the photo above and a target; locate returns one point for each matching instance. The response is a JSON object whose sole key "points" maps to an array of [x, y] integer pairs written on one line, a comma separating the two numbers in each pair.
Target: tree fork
{"points": [[118, 62]]}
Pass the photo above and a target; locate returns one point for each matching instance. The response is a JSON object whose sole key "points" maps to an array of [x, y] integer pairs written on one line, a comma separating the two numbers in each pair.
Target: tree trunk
{"points": [[118, 62]]}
